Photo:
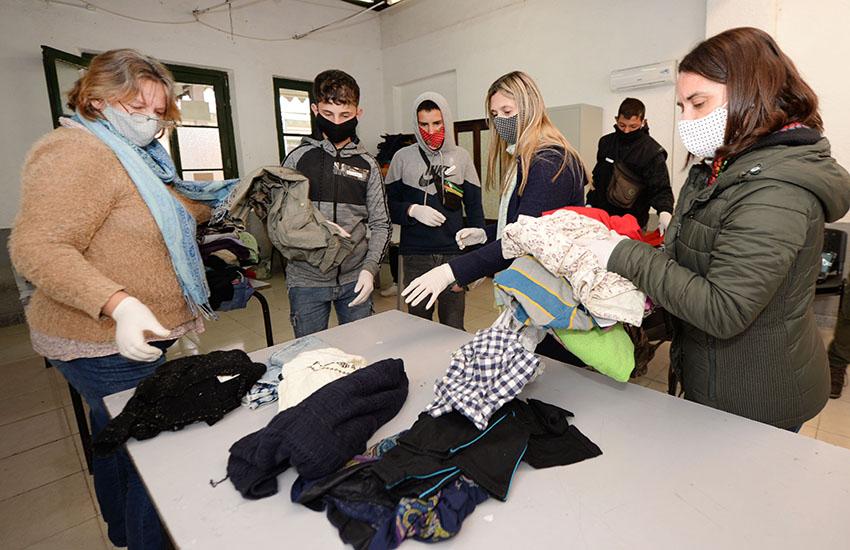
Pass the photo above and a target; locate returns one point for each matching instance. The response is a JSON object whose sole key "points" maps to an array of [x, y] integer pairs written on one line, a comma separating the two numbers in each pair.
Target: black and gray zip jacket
{"points": [[346, 186]]}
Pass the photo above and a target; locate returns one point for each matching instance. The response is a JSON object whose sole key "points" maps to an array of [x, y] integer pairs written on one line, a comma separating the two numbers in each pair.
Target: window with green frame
{"points": [[293, 116], [203, 145]]}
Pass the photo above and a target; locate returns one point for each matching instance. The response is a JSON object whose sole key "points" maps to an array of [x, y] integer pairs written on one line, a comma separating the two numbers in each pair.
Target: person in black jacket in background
{"points": [[631, 144]]}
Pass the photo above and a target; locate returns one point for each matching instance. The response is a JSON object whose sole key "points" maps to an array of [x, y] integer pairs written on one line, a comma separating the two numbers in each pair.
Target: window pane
{"points": [[199, 148], [67, 74], [295, 111], [203, 175], [197, 104], [165, 143]]}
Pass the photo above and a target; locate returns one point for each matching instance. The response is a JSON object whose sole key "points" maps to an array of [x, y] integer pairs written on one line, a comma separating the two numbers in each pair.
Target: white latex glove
{"points": [[426, 215], [430, 284], [342, 231], [469, 236], [132, 319], [664, 221], [364, 287], [602, 248]]}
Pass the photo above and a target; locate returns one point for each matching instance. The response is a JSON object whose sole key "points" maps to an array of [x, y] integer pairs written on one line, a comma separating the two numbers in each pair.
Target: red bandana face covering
{"points": [[435, 140]]}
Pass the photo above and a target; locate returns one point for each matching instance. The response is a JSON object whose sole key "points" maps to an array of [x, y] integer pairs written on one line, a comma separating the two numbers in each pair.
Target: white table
{"points": [[673, 474]]}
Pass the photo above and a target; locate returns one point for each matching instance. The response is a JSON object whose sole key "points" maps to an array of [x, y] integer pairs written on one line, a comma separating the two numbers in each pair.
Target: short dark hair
{"points": [[427, 105], [337, 87], [764, 90], [631, 107]]}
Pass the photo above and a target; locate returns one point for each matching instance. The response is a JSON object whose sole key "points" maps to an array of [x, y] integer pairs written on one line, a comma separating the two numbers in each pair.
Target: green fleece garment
{"points": [[609, 351]]}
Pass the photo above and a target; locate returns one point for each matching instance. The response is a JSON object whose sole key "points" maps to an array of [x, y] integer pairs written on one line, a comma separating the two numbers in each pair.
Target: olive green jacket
{"points": [[738, 272]]}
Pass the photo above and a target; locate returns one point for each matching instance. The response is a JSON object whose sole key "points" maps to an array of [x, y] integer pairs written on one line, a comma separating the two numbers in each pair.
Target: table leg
{"points": [[267, 320]]}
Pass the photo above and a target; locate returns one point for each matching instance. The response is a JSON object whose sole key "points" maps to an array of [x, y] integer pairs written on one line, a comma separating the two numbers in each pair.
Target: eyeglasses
{"points": [[142, 118]]}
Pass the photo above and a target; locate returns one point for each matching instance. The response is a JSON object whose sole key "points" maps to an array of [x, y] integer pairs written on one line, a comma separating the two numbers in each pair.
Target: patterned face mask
{"points": [[703, 136], [507, 127], [138, 128], [435, 140]]}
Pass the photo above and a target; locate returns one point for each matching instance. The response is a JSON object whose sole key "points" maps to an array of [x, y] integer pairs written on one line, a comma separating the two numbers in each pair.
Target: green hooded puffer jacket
{"points": [[738, 272]]}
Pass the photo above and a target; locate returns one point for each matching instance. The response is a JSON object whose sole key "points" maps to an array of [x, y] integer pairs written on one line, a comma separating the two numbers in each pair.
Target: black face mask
{"points": [[630, 137], [337, 133]]}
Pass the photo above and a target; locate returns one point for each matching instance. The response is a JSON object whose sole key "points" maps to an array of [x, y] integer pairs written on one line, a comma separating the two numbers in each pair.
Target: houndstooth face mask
{"points": [[507, 127], [703, 136]]}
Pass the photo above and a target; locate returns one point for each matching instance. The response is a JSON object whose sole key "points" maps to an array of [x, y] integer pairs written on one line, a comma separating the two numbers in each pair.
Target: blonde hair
{"points": [[534, 131], [117, 75]]}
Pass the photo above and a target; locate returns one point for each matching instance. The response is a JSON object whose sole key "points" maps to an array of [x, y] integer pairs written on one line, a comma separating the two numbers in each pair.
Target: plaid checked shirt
{"points": [[483, 375]]}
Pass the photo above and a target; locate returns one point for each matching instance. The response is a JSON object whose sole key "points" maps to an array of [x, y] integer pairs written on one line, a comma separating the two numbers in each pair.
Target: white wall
{"points": [[568, 46], [815, 37], [27, 24]]}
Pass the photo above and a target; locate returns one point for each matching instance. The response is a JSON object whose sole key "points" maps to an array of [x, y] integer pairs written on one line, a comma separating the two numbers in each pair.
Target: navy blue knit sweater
{"points": [[540, 195]]}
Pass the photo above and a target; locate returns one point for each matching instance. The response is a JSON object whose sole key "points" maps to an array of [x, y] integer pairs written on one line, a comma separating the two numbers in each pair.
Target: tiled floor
{"points": [[46, 495]]}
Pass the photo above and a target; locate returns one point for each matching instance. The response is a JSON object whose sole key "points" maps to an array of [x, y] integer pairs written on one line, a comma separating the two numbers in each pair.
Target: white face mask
{"points": [[137, 128], [703, 136]]}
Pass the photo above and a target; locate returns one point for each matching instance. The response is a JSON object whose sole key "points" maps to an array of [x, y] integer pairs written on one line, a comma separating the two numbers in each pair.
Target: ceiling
{"points": [[365, 4]]}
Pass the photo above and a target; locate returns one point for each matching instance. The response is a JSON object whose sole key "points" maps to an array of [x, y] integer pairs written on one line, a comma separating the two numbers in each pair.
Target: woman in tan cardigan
{"points": [[106, 234]]}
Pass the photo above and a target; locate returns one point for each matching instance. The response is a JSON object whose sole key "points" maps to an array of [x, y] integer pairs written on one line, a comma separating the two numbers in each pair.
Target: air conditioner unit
{"points": [[644, 76]]}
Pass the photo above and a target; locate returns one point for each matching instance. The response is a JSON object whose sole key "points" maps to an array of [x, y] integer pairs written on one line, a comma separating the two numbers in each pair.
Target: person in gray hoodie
{"points": [[346, 186], [430, 186]]}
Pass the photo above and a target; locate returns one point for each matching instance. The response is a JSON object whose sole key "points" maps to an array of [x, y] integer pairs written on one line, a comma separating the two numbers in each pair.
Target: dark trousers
{"points": [[129, 514], [839, 348], [392, 253], [450, 305]]}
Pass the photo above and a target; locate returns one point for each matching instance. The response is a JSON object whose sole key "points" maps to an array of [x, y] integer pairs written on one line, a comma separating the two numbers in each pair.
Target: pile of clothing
{"points": [[464, 448], [323, 431], [297, 370], [423, 482], [180, 392], [557, 285], [265, 390], [229, 254]]}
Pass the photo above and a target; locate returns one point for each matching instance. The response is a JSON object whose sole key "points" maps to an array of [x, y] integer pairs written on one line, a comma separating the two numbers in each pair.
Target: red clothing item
{"points": [[624, 225]]}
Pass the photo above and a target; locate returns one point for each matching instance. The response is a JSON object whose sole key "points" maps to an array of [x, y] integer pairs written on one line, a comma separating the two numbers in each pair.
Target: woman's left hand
{"points": [[602, 247], [430, 284], [664, 221]]}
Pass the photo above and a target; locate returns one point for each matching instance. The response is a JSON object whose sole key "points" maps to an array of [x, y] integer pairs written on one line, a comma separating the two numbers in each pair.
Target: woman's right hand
{"points": [[469, 236], [429, 285], [132, 319]]}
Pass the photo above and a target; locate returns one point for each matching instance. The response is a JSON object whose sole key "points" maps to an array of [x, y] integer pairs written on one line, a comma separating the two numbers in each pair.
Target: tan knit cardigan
{"points": [[83, 233]]}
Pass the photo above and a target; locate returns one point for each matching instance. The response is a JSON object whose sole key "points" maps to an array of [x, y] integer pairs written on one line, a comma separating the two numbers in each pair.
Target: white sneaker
{"points": [[391, 290]]}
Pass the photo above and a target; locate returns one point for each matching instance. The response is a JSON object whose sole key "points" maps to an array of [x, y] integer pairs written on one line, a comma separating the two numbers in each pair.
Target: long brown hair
{"points": [[763, 87], [116, 75], [534, 131]]}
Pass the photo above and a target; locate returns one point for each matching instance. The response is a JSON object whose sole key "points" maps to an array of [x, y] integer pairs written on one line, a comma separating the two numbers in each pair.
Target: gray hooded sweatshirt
{"points": [[450, 185], [345, 186]]}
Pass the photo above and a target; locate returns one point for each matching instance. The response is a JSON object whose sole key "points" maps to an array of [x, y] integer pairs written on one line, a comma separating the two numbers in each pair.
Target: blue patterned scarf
{"points": [[150, 167]]}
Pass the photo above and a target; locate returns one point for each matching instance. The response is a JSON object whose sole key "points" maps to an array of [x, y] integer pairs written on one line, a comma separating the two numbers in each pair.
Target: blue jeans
{"points": [[123, 500], [310, 307]]}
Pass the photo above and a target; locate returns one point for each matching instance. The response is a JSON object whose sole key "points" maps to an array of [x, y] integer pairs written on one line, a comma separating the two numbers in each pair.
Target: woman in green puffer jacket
{"points": [[743, 250]]}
